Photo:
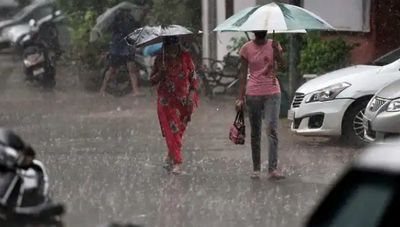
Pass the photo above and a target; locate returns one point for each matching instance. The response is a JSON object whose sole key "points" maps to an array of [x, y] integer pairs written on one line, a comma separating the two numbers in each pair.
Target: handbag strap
{"points": [[239, 116]]}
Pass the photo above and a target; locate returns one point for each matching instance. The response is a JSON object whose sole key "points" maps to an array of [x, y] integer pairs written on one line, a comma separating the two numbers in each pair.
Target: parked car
{"points": [[382, 115], [387, 58], [333, 104], [366, 195], [13, 29]]}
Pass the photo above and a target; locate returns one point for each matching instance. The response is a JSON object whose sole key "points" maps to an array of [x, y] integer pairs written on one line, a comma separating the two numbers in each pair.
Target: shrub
{"points": [[320, 56], [88, 52]]}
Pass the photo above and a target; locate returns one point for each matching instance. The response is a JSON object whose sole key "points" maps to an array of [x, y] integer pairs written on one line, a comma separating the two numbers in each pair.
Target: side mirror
{"points": [[32, 22]]}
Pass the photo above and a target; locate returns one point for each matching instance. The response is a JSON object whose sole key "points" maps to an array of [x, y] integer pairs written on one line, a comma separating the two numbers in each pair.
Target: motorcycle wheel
{"points": [[49, 80]]}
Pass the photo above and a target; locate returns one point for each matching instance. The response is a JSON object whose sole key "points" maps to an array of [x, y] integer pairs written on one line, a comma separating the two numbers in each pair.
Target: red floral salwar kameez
{"points": [[176, 102]]}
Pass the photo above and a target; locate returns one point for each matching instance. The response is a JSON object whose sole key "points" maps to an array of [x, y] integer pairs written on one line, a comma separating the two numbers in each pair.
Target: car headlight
{"points": [[394, 106], [328, 93]]}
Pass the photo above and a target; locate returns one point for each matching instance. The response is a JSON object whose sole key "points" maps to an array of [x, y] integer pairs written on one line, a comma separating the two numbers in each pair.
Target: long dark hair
{"points": [[260, 34]]}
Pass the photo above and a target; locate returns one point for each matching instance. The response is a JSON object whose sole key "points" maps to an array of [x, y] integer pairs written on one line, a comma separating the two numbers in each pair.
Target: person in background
{"points": [[259, 87], [121, 53], [174, 75]]}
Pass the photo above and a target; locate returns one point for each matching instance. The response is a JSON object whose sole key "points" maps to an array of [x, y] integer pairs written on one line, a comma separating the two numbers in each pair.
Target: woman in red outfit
{"points": [[174, 75]]}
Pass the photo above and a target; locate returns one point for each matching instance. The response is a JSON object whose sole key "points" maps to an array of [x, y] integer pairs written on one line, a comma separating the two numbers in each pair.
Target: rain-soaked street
{"points": [[104, 156]]}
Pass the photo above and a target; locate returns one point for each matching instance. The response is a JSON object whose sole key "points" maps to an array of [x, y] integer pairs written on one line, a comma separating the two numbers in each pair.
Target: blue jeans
{"points": [[269, 106]]}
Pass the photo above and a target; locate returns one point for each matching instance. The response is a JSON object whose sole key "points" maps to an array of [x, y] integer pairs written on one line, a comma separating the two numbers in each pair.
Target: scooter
{"points": [[40, 50], [24, 199]]}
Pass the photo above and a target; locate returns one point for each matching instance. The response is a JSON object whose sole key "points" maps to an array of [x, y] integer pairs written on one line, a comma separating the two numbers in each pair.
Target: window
{"points": [[228, 8], [354, 14]]}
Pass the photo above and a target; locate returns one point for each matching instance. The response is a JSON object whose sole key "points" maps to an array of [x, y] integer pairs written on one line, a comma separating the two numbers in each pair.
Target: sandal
{"points": [[176, 169], [255, 175], [167, 163], [276, 175]]}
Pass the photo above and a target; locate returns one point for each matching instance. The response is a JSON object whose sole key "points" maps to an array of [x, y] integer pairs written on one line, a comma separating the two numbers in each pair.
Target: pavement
{"points": [[104, 157]]}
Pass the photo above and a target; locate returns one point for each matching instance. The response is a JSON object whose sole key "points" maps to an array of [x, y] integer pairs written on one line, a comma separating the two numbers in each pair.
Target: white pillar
{"points": [[206, 29], [223, 38]]}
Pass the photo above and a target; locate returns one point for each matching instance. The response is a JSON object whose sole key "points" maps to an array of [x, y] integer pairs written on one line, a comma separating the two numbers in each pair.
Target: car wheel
{"points": [[353, 129]]}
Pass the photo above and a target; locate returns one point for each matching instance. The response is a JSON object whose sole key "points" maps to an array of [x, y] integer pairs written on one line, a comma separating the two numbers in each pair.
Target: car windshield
{"points": [[350, 202], [388, 58]]}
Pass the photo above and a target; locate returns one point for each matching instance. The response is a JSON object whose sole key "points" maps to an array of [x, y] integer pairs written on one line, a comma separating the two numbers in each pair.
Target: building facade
{"points": [[372, 24]]}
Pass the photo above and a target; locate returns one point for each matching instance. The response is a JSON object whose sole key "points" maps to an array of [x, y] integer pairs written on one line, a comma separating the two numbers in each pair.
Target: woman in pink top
{"points": [[258, 82]]}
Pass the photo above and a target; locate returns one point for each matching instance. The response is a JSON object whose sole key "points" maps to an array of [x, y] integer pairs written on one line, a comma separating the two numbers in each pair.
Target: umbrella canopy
{"points": [[104, 21], [278, 17], [154, 34]]}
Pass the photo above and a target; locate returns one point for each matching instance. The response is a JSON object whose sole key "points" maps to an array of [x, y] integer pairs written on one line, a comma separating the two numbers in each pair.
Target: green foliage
{"points": [[236, 44], [320, 56], [82, 22], [82, 17]]}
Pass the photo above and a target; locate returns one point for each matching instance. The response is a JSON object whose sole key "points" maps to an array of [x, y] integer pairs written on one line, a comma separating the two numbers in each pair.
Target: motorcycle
{"points": [[24, 199], [40, 50]]}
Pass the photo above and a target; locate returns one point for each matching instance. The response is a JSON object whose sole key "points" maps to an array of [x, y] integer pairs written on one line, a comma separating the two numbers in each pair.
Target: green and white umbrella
{"points": [[277, 17]]}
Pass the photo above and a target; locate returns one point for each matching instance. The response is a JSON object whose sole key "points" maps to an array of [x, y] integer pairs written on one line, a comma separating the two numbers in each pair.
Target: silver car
{"points": [[382, 115]]}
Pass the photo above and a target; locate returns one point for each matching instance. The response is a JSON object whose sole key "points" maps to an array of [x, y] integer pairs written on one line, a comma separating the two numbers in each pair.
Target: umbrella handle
{"points": [[163, 55], [273, 55], [247, 35]]}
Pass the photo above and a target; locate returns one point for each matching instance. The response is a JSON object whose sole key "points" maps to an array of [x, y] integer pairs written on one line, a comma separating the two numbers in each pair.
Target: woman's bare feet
{"points": [[167, 163]]}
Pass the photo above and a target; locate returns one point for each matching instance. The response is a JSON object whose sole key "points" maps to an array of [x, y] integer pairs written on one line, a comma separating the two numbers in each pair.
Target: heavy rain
{"points": [[129, 108]]}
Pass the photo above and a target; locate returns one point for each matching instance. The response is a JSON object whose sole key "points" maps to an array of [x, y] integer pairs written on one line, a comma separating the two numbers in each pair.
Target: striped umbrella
{"points": [[277, 17]]}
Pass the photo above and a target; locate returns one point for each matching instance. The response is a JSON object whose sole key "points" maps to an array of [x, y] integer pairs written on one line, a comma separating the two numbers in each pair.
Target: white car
{"points": [[333, 104]]}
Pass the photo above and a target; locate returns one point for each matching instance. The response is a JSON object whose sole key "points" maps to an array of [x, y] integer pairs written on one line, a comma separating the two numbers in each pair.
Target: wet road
{"points": [[104, 156]]}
